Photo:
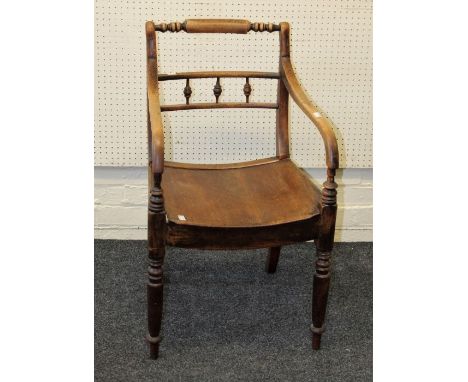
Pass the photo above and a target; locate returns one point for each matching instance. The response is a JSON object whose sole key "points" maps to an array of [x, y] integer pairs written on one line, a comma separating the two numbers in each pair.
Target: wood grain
{"points": [[254, 196]]}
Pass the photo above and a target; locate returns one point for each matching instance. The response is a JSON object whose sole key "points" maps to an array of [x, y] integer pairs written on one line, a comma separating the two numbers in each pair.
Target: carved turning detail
{"points": [[264, 27], [171, 27], [155, 272], [178, 26], [247, 89], [323, 264], [217, 90], [187, 91], [156, 202], [329, 189]]}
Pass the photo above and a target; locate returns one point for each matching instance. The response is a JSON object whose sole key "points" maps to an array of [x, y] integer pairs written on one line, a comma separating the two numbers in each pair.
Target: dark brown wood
{"points": [[220, 105], [215, 74], [272, 259], [187, 91], [266, 203], [247, 90], [217, 90], [156, 250], [324, 246], [185, 236]]}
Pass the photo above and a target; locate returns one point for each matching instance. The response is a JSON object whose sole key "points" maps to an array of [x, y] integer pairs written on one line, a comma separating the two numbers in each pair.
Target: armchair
{"points": [[265, 203]]}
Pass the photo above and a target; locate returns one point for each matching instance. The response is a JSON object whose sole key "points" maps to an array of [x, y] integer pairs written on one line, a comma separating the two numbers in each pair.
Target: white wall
{"points": [[121, 203], [331, 48]]}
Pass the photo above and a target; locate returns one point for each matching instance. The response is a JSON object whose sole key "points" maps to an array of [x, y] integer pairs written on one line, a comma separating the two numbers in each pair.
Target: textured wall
{"points": [[121, 203], [331, 49]]}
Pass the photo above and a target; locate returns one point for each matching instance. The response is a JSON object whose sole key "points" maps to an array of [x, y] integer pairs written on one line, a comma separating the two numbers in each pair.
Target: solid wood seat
{"points": [[257, 204], [239, 195]]}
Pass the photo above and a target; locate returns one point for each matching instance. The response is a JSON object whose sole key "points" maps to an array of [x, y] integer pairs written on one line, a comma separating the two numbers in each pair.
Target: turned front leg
{"points": [[156, 251], [323, 264]]}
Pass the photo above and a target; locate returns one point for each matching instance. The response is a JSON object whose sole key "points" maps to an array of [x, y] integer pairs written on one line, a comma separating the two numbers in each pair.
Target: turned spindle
{"points": [[171, 27], [247, 90], [264, 27], [187, 91], [217, 90]]}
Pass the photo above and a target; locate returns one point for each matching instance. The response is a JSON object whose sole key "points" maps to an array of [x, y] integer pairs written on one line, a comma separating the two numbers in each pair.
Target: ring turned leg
{"points": [[272, 259], [320, 296], [155, 299], [156, 251], [324, 246]]}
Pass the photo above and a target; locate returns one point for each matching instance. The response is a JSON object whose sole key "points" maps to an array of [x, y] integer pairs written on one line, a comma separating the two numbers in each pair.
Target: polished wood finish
{"points": [[266, 203], [240, 197], [220, 105]]}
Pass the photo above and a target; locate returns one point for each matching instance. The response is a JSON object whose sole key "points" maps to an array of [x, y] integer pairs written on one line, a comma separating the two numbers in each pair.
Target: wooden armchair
{"points": [[266, 203]]}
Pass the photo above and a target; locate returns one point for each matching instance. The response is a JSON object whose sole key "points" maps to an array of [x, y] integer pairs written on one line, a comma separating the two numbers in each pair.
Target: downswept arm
{"points": [[302, 100]]}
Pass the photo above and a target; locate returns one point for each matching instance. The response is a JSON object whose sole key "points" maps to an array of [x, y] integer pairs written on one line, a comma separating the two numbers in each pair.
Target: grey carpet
{"points": [[227, 320]]}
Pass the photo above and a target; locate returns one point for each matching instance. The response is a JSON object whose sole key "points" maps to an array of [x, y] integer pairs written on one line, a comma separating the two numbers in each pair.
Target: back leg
{"points": [[272, 259]]}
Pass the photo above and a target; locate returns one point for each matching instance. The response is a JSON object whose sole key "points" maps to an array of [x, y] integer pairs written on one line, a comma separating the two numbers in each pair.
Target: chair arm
{"points": [[302, 100]]}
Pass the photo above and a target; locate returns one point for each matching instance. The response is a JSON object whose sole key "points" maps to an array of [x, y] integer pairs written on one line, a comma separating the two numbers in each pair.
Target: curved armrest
{"points": [[302, 100]]}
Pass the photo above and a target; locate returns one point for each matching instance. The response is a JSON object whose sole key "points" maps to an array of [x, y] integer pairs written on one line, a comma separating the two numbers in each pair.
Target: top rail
{"points": [[217, 26]]}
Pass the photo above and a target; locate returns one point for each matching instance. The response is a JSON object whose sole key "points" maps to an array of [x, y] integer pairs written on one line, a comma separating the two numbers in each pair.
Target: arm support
{"points": [[302, 100], [155, 121], [154, 110]]}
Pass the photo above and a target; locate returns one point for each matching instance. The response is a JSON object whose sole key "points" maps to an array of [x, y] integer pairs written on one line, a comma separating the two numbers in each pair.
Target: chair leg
{"points": [[156, 251], [320, 296], [155, 299], [272, 259], [324, 246]]}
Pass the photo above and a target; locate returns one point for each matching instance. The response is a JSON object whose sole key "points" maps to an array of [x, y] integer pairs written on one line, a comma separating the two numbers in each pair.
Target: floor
{"points": [[226, 319]]}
